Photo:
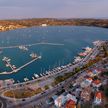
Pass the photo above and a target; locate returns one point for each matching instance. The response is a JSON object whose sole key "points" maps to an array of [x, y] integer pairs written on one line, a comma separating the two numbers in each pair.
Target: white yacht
{"points": [[36, 75], [33, 55], [33, 78], [26, 79], [23, 48]]}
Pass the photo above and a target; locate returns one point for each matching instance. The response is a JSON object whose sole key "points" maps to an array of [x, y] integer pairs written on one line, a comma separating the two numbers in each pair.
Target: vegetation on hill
{"points": [[53, 22]]}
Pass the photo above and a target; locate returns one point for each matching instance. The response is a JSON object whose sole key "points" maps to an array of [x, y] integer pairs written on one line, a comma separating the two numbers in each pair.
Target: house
{"points": [[72, 97], [90, 73], [87, 82], [97, 83], [70, 104], [96, 72], [59, 101], [89, 79], [98, 98], [44, 25], [86, 94], [93, 72]]}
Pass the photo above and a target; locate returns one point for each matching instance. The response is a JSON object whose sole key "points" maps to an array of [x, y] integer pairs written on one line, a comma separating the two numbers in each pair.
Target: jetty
{"points": [[29, 45], [8, 63], [21, 67]]}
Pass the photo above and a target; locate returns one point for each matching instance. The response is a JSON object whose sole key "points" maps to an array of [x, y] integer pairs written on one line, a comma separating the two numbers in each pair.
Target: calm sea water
{"points": [[74, 39]]}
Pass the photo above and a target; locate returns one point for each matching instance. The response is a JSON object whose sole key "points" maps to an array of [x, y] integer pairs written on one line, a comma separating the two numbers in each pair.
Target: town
{"points": [[83, 84], [10, 27]]}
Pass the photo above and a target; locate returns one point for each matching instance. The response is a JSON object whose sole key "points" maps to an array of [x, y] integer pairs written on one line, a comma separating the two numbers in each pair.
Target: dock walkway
{"points": [[16, 70], [29, 45]]}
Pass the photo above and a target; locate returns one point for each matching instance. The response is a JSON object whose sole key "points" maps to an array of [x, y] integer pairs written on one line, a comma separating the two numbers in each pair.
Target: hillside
{"points": [[24, 23]]}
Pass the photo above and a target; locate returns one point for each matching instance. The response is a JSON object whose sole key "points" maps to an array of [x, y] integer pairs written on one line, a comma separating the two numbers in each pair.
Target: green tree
{"points": [[46, 87]]}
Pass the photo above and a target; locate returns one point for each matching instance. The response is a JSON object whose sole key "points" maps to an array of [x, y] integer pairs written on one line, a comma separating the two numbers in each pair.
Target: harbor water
{"points": [[72, 38]]}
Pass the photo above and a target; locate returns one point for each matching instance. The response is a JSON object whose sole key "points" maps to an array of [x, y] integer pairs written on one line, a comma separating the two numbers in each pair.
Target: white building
{"points": [[87, 82], [60, 101], [44, 25], [71, 97]]}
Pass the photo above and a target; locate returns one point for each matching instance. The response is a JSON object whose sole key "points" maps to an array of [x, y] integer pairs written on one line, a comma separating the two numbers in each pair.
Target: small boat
{"points": [[14, 66], [7, 65], [44, 74], [23, 48], [4, 58], [40, 57], [18, 81], [33, 55], [59, 68], [26, 79], [33, 78], [41, 75], [36, 75]]}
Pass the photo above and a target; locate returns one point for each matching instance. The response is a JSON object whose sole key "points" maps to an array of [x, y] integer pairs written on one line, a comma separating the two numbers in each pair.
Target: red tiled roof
{"points": [[98, 95], [97, 82], [70, 104], [90, 79], [89, 71]]}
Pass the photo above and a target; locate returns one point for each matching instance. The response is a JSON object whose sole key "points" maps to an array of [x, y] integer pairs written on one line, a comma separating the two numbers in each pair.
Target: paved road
{"points": [[42, 98], [3, 103]]}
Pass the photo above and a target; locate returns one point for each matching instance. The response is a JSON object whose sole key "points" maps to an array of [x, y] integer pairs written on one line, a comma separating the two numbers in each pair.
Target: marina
{"points": [[56, 71], [34, 57], [8, 64], [21, 67], [53, 54], [57, 51]]}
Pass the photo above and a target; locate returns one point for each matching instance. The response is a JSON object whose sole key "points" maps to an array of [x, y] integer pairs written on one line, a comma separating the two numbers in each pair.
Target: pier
{"points": [[29, 45], [39, 57], [23, 66], [8, 63]]}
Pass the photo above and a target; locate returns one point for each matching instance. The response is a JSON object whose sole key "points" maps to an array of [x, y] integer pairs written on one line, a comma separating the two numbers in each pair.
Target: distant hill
{"points": [[14, 24]]}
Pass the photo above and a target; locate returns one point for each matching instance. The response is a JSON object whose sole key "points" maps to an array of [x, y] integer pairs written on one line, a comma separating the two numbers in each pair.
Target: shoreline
{"points": [[7, 25], [61, 71], [65, 70]]}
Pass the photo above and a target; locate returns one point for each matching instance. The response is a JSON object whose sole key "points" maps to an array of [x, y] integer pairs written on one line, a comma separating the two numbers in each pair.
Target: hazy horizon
{"points": [[25, 9], [48, 18]]}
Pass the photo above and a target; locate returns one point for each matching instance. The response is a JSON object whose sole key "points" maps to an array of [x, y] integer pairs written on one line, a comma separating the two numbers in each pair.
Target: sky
{"points": [[18, 9]]}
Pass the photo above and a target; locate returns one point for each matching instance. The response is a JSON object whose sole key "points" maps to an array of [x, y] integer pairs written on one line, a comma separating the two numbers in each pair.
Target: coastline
{"points": [[6, 25], [63, 70], [68, 69]]}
